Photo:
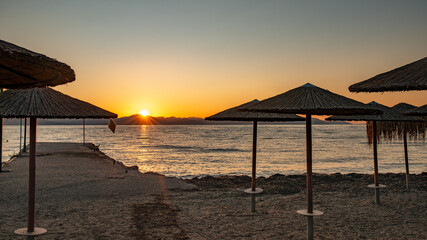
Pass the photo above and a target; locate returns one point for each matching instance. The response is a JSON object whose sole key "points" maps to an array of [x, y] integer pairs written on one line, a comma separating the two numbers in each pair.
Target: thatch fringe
{"points": [[391, 124], [389, 130]]}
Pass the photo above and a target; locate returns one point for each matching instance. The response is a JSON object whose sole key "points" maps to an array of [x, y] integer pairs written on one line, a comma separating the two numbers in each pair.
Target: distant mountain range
{"points": [[137, 119]]}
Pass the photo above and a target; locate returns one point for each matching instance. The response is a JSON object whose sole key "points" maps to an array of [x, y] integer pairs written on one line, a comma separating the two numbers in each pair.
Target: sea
{"points": [[188, 151]]}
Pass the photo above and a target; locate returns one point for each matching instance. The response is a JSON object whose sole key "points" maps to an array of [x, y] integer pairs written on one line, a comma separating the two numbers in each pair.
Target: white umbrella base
{"points": [[257, 191], [314, 213], [24, 232], [374, 186]]}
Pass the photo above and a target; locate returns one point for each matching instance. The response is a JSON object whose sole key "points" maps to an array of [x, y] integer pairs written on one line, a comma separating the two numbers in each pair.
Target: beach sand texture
{"points": [[81, 194]]}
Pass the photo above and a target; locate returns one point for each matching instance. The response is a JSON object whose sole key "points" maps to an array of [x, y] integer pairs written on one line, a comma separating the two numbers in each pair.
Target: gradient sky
{"points": [[197, 57]]}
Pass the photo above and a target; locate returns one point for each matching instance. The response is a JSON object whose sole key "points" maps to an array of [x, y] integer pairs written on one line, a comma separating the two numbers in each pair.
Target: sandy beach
{"points": [[84, 194]]}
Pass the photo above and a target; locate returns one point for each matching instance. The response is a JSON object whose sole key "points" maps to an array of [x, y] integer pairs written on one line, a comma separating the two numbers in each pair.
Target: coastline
{"points": [[292, 184], [186, 152], [85, 194]]}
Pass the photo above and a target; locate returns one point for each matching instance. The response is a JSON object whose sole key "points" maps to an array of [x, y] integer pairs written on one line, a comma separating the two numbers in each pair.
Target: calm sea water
{"points": [[188, 151]]}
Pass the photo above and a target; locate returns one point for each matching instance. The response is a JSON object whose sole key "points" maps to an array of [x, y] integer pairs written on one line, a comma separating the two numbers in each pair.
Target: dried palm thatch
{"points": [[403, 107], [22, 68], [412, 76], [309, 99], [233, 114], [47, 103], [389, 130], [390, 124], [420, 111], [387, 115], [415, 130]]}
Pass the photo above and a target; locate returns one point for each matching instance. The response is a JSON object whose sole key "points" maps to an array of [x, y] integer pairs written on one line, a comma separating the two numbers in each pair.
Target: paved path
{"points": [[80, 193]]}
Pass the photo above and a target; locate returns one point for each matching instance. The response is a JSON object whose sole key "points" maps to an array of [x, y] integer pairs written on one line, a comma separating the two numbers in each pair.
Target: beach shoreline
{"points": [[290, 184], [85, 194]]}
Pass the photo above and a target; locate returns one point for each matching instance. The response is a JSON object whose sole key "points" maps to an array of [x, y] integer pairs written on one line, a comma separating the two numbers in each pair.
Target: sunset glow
{"points": [[196, 58], [144, 112]]}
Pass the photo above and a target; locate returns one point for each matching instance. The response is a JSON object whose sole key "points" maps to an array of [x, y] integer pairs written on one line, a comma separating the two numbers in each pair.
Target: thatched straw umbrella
{"points": [[42, 103], [372, 130], [233, 114], [22, 68], [419, 111], [402, 129], [403, 107], [412, 76], [311, 100]]}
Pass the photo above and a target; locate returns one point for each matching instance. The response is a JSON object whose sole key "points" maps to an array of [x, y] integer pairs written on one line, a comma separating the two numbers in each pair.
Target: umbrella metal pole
{"points": [[24, 149], [254, 150], [83, 132], [32, 175], [20, 136], [309, 212], [405, 145], [253, 189], [310, 223], [309, 165], [377, 190], [30, 231], [1, 143]]}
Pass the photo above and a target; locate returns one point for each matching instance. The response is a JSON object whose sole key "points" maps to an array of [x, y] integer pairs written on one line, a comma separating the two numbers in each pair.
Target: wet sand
{"points": [[84, 194]]}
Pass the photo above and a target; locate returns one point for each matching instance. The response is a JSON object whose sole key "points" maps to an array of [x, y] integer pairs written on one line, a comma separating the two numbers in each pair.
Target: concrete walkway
{"points": [[80, 193]]}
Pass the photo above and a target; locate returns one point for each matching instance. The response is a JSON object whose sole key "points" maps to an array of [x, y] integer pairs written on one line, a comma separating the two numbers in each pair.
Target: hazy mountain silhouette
{"points": [[137, 119]]}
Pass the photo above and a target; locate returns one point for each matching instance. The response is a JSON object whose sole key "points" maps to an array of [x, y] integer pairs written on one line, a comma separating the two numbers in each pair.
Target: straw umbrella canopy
{"points": [[403, 107], [419, 111], [43, 103], [22, 68], [412, 76], [233, 114], [311, 100], [47, 103], [388, 115]]}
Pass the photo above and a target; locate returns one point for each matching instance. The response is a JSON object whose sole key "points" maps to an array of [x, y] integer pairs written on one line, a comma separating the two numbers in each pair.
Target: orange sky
{"points": [[194, 58]]}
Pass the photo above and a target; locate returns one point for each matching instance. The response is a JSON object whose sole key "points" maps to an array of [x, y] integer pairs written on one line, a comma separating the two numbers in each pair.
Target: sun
{"points": [[144, 112]]}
